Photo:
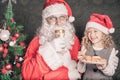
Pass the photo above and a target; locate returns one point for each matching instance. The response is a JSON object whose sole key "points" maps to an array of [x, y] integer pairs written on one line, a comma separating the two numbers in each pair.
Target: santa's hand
{"points": [[58, 44]]}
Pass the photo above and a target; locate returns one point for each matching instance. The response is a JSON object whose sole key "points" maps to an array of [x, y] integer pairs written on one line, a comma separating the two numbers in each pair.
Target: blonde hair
{"points": [[107, 40]]}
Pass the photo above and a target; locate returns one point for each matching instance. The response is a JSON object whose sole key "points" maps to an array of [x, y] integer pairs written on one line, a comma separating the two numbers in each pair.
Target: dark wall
{"points": [[28, 14]]}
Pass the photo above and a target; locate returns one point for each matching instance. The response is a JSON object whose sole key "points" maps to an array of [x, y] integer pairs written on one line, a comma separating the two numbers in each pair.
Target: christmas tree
{"points": [[12, 47]]}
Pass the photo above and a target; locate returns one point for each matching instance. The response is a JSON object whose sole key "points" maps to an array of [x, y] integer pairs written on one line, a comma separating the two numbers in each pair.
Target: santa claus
{"points": [[53, 53]]}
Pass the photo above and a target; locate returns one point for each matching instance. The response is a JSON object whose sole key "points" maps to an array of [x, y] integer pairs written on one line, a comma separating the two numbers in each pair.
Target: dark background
{"points": [[28, 14]]}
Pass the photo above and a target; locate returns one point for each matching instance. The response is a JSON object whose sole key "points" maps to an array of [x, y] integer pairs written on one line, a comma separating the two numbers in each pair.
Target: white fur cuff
{"points": [[50, 56], [74, 74]]}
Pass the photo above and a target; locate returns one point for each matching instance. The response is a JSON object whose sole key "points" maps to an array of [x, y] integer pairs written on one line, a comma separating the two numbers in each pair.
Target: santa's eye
{"points": [[51, 18]]}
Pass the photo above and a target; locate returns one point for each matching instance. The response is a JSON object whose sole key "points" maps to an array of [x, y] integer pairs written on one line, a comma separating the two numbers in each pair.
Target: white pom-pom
{"points": [[71, 19], [12, 43], [21, 59], [112, 30]]}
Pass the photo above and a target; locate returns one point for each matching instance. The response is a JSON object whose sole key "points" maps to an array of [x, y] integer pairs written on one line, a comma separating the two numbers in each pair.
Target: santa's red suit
{"points": [[36, 67]]}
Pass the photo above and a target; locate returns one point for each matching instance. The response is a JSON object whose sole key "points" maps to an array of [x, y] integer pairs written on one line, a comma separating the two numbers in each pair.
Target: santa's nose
{"points": [[58, 22]]}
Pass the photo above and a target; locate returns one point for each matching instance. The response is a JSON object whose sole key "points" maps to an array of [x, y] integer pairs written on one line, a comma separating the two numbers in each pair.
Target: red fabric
{"points": [[34, 67], [103, 20]]}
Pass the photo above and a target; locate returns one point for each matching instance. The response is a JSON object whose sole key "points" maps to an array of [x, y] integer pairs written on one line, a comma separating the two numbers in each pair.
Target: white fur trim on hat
{"points": [[54, 9], [71, 19], [97, 26]]}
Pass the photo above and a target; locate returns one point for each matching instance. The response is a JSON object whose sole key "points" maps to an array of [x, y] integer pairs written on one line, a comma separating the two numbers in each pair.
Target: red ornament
{"points": [[1, 48], [8, 67], [5, 52], [18, 65], [14, 38], [12, 20], [22, 44], [5, 45], [8, 28], [17, 34], [16, 57], [3, 71]]}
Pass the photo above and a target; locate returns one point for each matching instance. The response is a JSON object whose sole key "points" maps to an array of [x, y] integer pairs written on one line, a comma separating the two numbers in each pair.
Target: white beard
{"points": [[47, 33]]}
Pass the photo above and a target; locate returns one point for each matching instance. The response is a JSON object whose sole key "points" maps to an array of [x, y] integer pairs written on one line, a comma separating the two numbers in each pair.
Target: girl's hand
{"points": [[81, 54], [101, 66]]}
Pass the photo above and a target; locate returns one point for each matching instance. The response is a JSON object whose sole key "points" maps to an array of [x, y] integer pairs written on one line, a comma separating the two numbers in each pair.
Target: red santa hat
{"points": [[53, 7], [101, 22]]}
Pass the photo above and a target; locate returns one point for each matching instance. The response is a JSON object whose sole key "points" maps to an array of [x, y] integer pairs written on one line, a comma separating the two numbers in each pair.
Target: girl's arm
{"points": [[112, 63], [81, 67]]}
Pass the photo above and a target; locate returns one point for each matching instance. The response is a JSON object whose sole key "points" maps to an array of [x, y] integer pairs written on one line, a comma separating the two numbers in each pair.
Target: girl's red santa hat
{"points": [[53, 7], [101, 22]]}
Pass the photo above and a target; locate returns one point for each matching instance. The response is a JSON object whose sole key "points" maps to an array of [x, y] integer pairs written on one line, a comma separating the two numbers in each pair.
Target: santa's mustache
{"points": [[47, 32]]}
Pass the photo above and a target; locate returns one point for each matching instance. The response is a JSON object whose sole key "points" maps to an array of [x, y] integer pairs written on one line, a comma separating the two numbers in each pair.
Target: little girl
{"points": [[98, 42]]}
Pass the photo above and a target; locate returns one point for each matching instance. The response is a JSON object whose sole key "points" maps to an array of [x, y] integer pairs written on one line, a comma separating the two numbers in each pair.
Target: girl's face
{"points": [[95, 36]]}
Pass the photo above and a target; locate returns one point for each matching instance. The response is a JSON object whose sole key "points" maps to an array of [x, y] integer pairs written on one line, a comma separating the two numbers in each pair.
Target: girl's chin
{"points": [[94, 42]]}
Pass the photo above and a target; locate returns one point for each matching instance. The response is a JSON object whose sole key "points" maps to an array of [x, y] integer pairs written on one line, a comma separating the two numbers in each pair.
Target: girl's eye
{"points": [[95, 31], [88, 32]]}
